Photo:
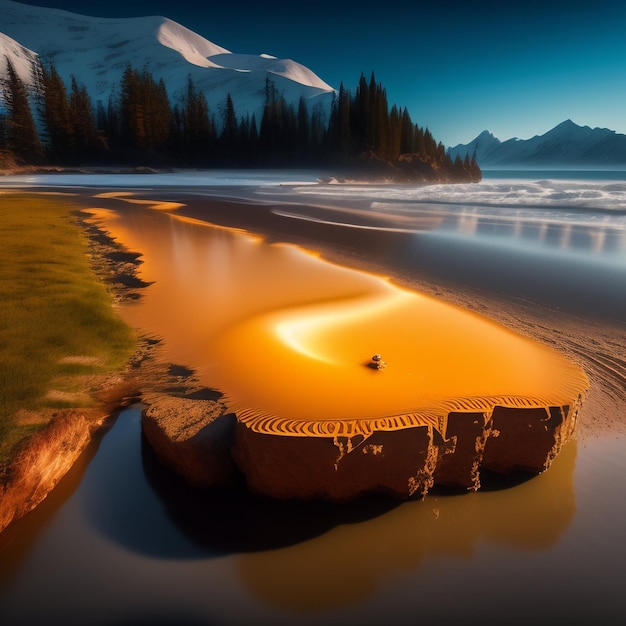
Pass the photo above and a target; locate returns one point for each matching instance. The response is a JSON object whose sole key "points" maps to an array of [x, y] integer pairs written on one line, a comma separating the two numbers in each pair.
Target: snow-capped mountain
{"points": [[98, 50], [566, 145], [25, 62]]}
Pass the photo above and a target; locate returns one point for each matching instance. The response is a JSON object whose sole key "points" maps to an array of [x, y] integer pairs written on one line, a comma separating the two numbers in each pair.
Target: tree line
{"points": [[57, 124]]}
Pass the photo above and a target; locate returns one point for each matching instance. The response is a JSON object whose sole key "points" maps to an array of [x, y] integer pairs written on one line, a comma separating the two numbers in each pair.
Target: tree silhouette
{"points": [[58, 118], [362, 132], [87, 144], [21, 134]]}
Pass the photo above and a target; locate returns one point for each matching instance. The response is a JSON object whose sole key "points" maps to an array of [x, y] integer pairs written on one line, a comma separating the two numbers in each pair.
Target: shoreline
{"points": [[592, 340], [594, 343]]}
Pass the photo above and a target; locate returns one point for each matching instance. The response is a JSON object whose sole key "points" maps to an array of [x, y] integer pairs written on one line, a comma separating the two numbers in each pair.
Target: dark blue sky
{"points": [[516, 69]]}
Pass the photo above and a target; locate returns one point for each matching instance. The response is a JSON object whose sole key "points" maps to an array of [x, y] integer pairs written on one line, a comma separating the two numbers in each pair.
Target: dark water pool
{"points": [[121, 541]]}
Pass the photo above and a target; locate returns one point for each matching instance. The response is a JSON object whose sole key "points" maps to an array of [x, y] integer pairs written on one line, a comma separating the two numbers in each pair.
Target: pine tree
{"points": [[254, 137], [302, 139], [230, 126], [360, 118], [58, 118], [109, 125], [229, 138], [394, 141], [132, 113], [381, 113], [269, 132], [198, 128], [407, 133], [158, 113], [247, 141], [279, 129], [340, 138], [317, 133], [145, 115], [87, 143], [22, 137]]}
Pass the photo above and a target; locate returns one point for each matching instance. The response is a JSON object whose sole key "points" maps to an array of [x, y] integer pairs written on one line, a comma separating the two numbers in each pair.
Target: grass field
{"points": [[57, 323]]}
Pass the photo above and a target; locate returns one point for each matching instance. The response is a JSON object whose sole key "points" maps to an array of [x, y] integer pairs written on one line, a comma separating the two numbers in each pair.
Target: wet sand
{"points": [[559, 310]]}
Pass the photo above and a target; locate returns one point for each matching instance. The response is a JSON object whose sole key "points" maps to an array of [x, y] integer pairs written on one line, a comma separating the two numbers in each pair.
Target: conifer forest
{"points": [[58, 124]]}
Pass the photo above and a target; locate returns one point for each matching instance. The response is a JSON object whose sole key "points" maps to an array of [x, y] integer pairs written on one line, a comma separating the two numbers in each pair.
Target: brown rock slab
{"points": [[527, 439], [404, 463], [204, 443], [398, 463], [193, 437], [459, 463]]}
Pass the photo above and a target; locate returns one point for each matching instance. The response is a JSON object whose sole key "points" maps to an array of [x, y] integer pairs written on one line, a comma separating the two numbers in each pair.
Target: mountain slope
{"points": [[97, 51], [566, 145], [25, 62]]}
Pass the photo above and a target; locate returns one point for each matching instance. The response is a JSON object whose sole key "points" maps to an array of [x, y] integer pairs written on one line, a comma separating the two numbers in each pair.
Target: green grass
{"points": [[52, 305]]}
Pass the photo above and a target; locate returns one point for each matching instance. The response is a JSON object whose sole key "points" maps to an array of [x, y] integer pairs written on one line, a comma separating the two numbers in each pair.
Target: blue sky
{"points": [[516, 69]]}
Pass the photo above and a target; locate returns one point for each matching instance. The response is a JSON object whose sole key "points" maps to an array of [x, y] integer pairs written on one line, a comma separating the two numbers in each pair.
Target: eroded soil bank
{"points": [[40, 461]]}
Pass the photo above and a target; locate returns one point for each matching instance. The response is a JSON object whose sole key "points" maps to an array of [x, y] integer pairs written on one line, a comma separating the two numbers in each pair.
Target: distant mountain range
{"points": [[567, 145], [97, 51]]}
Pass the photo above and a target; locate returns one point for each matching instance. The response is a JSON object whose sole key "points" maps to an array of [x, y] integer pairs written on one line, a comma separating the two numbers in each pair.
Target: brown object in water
{"points": [[377, 362], [404, 463], [191, 437]]}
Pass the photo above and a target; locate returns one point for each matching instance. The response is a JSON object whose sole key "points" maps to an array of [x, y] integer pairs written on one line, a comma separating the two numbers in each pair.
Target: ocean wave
{"points": [[605, 196]]}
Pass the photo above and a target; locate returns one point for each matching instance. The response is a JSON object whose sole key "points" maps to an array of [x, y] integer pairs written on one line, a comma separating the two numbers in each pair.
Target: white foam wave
{"points": [[582, 216], [545, 194]]}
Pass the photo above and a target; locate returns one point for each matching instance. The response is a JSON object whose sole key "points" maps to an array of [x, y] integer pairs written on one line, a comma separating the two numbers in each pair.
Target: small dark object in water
{"points": [[377, 362]]}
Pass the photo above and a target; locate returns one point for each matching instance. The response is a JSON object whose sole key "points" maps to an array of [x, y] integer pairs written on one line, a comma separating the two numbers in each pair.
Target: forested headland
{"points": [[361, 136]]}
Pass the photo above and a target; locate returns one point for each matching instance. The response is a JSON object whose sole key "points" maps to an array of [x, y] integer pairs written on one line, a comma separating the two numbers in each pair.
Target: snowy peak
{"points": [[266, 63], [566, 145], [23, 60], [192, 47], [97, 51]]}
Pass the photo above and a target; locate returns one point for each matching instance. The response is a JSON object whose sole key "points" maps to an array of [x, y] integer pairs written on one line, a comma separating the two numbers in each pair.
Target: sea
{"points": [[121, 541]]}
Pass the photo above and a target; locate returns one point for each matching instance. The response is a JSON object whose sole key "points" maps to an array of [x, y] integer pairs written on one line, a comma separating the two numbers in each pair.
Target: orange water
{"points": [[288, 337]]}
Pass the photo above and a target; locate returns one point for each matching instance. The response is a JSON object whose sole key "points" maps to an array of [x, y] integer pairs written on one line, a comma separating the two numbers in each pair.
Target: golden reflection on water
{"points": [[289, 336], [351, 562]]}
